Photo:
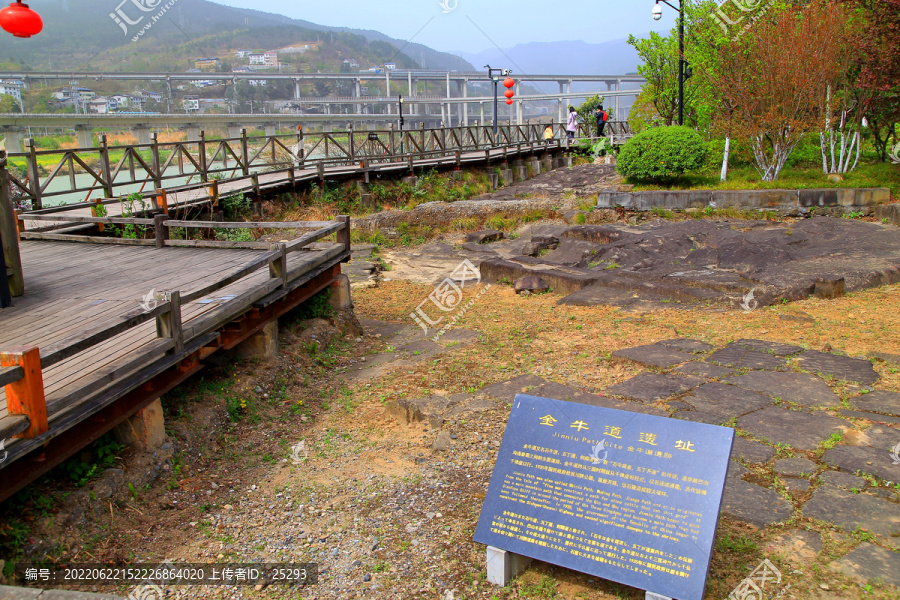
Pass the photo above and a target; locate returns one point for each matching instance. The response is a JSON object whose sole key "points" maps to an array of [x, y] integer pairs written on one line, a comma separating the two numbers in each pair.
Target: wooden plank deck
{"points": [[72, 287]]}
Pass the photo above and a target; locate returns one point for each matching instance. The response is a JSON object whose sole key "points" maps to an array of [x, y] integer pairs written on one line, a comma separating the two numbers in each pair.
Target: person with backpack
{"points": [[602, 117], [572, 124]]}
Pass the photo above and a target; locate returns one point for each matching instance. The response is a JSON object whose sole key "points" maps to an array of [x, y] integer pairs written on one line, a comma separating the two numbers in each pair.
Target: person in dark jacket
{"points": [[601, 116]]}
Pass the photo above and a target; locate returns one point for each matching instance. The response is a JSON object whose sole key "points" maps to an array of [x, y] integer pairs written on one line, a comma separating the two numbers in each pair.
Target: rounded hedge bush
{"points": [[662, 154]]}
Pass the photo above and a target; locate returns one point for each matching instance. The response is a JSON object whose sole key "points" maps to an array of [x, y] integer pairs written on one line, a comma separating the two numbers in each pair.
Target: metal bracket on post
{"points": [[503, 566]]}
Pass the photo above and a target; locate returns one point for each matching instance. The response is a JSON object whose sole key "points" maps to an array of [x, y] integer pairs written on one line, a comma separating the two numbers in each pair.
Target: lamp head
{"points": [[657, 12]]}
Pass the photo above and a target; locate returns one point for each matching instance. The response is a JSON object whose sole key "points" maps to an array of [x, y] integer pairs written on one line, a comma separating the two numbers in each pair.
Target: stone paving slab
{"points": [[654, 355], [726, 400], [875, 461], [795, 467], [795, 428], [458, 336], [843, 480], [876, 417], [796, 486], [505, 391], [776, 348], [687, 345], [465, 407], [650, 387], [739, 358], [871, 564], [879, 401], [839, 367], [702, 369], [753, 504], [753, 452], [798, 388], [850, 511], [701, 416], [421, 347]]}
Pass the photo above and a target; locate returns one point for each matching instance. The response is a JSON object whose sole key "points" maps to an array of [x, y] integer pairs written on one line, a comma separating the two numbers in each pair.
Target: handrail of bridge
{"points": [[21, 368], [110, 168]]}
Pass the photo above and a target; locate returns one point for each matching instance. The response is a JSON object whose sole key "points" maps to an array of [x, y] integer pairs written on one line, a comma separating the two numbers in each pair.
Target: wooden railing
{"points": [[21, 368], [107, 169]]}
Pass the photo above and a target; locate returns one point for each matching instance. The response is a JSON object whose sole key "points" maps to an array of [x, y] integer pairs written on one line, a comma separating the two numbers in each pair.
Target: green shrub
{"points": [[662, 154]]}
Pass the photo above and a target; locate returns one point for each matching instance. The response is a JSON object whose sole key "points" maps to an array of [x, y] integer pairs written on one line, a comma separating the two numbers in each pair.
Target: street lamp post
{"points": [[495, 79], [657, 15]]}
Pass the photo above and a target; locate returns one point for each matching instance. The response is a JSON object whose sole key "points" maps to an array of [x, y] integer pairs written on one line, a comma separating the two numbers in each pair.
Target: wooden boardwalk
{"points": [[79, 292]]}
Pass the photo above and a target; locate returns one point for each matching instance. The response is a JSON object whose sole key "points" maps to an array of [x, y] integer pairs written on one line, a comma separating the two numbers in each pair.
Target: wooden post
{"points": [[245, 154], [320, 170], [254, 179], [155, 165], [343, 235], [214, 192], [278, 267], [351, 144], [169, 324], [26, 396], [105, 168], [33, 174], [163, 200], [301, 148], [97, 211], [161, 231], [201, 154], [9, 238], [393, 143], [292, 177]]}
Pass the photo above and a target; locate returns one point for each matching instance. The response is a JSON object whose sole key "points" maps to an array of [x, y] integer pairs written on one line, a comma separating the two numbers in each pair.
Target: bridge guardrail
{"points": [[108, 169]]}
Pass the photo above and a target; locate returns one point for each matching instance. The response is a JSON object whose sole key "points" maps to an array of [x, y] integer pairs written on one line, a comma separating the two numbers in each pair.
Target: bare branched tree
{"points": [[776, 77]]}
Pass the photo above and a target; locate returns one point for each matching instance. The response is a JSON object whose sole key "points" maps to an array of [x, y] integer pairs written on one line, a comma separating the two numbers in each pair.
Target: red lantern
{"points": [[509, 93], [20, 20], [509, 82], [509, 101]]}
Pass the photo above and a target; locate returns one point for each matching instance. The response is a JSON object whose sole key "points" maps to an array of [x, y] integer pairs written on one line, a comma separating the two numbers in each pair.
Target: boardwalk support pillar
{"points": [[145, 430], [262, 344], [339, 293]]}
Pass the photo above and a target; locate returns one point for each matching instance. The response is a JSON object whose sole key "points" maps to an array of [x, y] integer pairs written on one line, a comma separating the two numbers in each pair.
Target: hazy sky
{"points": [[475, 25]]}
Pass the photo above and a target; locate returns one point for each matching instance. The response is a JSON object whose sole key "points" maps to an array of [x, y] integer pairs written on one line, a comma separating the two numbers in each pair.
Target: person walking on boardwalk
{"points": [[548, 133], [602, 116], [572, 124]]}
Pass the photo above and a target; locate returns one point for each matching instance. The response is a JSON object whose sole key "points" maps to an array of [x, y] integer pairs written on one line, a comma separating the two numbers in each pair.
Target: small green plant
{"points": [[235, 206]]}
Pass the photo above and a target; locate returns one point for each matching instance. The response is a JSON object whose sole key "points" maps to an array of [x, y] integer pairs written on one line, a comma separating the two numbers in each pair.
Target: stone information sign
{"points": [[628, 497]]}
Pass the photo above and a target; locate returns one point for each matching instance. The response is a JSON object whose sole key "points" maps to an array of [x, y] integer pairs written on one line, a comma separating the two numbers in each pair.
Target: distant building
{"points": [[208, 64], [99, 105], [243, 53], [351, 63], [390, 66], [148, 95], [121, 100], [10, 88], [191, 103], [266, 60]]}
